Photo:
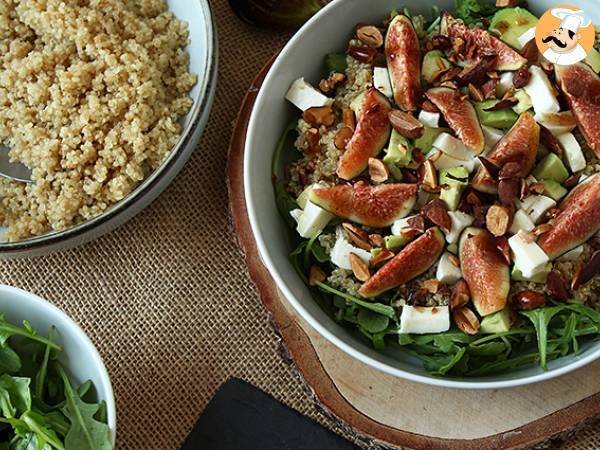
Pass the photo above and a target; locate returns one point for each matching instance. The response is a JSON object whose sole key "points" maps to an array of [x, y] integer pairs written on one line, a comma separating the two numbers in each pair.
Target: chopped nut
{"points": [[503, 104], [466, 321], [458, 45], [405, 124], [509, 190], [504, 248], [498, 220], [359, 268], [587, 271], [521, 78], [313, 138], [429, 175], [550, 141], [526, 236], [556, 286], [315, 275], [572, 181], [342, 137], [417, 297], [330, 83], [537, 188], [475, 93], [440, 42], [476, 73], [529, 300], [432, 285], [429, 107], [509, 170], [460, 295], [370, 35], [417, 223], [436, 211], [358, 236], [349, 118], [321, 115], [378, 171], [507, 3], [377, 240], [382, 256], [488, 88]]}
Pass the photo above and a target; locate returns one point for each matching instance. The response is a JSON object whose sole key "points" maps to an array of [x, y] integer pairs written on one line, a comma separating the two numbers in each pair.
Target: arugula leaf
{"points": [[471, 11], [10, 361], [16, 397], [441, 365], [540, 318], [378, 308], [8, 330], [37, 424], [40, 378], [335, 62], [372, 322]]}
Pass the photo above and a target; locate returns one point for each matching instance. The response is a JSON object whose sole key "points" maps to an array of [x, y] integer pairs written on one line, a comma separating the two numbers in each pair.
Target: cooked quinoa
{"points": [[91, 93]]}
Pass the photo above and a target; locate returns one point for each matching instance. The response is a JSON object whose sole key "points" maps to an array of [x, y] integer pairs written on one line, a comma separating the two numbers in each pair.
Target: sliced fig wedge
{"points": [[373, 206], [403, 56], [483, 43], [577, 221], [415, 259], [519, 146], [372, 133], [460, 115], [485, 270], [581, 86]]}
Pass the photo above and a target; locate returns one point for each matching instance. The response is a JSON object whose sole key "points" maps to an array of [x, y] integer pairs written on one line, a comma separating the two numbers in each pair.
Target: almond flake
{"points": [[466, 321], [378, 171], [357, 236], [359, 268], [315, 275]]}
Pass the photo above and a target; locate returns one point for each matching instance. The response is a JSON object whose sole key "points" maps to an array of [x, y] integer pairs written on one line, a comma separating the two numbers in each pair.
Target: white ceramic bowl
{"points": [[329, 31], [79, 357], [203, 62]]}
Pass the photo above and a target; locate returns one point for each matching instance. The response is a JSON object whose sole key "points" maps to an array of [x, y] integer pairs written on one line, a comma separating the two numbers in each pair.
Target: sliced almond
{"points": [[429, 173], [342, 137], [436, 211], [377, 240], [460, 295], [357, 236], [315, 275], [359, 268], [429, 107], [406, 124], [370, 35], [466, 321], [498, 219], [587, 271], [475, 93], [432, 285], [382, 256], [321, 115], [378, 171], [349, 118]]}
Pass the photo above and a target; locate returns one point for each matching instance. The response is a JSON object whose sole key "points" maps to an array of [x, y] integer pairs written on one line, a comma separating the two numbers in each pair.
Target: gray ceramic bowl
{"points": [[79, 357], [203, 62], [327, 32]]}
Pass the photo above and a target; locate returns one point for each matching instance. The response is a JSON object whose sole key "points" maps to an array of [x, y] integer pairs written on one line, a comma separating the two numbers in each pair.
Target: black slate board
{"points": [[242, 417]]}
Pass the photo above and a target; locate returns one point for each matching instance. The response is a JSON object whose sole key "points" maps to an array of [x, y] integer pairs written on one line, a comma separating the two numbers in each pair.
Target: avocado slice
{"points": [[394, 242], [593, 60], [551, 168], [554, 190], [431, 67], [516, 275], [503, 118], [454, 186], [498, 322], [399, 151], [525, 102], [510, 23], [425, 142]]}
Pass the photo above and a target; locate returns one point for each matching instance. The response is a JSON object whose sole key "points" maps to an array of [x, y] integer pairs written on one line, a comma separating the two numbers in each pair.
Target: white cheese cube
{"points": [[572, 255], [527, 36], [529, 258], [401, 224], [505, 83], [340, 253], [557, 123], [381, 81], [521, 221], [460, 221], [447, 272], [541, 92], [492, 135], [304, 96], [313, 220], [422, 320], [573, 152], [296, 214], [453, 147], [536, 205], [430, 119], [448, 162]]}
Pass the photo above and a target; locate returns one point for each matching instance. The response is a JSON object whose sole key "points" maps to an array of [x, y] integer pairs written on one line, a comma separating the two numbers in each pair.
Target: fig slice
{"points": [[577, 221], [373, 206], [483, 43], [460, 115], [485, 270], [403, 57], [413, 260], [372, 133], [582, 90], [519, 145]]}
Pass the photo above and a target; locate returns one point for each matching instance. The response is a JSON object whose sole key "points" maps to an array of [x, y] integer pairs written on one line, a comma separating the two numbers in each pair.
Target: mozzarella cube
{"points": [[527, 36], [573, 152], [572, 255], [492, 135], [460, 221], [529, 258], [304, 96], [521, 221], [312, 220], [557, 123], [448, 162], [505, 83], [422, 320], [447, 272], [453, 147], [296, 214], [401, 224], [340, 253], [381, 81], [536, 205], [430, 119], [541, 92]]}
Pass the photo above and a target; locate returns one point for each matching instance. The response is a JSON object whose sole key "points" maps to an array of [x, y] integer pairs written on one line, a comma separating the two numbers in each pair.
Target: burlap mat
{"points": [[166, 298]]}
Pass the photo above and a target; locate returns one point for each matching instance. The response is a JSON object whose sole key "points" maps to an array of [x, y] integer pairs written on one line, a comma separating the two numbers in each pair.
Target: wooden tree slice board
{"points": [[398, 412]]}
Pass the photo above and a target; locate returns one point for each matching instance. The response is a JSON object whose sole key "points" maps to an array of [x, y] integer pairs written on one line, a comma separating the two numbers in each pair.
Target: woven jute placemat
{"points": [[166, 298]]}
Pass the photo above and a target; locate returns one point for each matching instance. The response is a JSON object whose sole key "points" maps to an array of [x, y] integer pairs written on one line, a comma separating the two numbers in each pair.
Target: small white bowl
{"points": [[329, 31], [79, 356]]}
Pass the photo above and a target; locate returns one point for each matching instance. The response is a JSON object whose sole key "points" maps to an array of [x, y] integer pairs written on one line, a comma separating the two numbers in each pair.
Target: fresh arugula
{"points": [[472, 11]]}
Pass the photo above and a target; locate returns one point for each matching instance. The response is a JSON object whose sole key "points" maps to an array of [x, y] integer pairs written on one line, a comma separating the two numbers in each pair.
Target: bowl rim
{"points": [[187, 137], [77, 332], [263, 249]]}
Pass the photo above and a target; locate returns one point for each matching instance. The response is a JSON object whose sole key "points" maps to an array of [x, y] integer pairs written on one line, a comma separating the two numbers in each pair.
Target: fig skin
{"points": [[372, 206], [403, 55], [577, 221], [485, 270], [519, 145], [372, 133], [460, 115], [582, 90], [413, 260]]}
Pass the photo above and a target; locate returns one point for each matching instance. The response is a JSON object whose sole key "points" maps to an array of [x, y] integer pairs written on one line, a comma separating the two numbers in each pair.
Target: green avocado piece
{"points": [[525, 102], [453, 248], [593, 60], [503, 118], [498, 322], [452, 178], [425, 142], [356, 103], [394, 242], [554, 190], [551, 168], [510, 23], [399, 151], [431, 67], [516, 275]]}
